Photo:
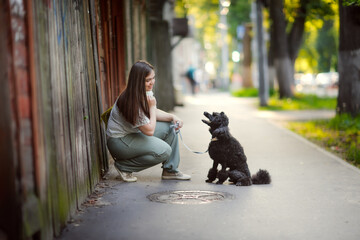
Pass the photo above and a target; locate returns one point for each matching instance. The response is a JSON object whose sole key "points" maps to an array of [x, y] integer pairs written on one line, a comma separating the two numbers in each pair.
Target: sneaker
{"points": [[126, 176], [174, 175]]}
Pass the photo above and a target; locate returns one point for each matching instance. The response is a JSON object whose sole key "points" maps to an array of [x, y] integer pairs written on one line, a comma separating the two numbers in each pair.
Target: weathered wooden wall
{"points": [[111, 44], [19, 199], [68, 102], [62, 64], [122, 40], [10, 201], [51, 135]]}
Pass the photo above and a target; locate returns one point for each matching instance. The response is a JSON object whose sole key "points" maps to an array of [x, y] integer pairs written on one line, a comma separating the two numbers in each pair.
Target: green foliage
{"points": [[181, 9], [246, 92], [316, 10], [326, 45], [249, 92], [300, 102], [306, 61], [351, 2], [353, 154], [318, 52], [340, 135], [239, 13], [203, 18], [345, 122]]}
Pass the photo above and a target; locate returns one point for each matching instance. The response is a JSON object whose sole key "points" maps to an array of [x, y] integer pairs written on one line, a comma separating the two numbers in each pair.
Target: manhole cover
{"points": [[189, 197]]}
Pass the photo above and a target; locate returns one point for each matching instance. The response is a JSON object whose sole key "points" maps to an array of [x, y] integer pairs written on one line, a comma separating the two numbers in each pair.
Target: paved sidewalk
{"points": [[313, 194]]}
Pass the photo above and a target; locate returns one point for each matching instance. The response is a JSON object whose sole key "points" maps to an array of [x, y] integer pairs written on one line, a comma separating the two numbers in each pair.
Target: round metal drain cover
{"points": [[189, 197]]}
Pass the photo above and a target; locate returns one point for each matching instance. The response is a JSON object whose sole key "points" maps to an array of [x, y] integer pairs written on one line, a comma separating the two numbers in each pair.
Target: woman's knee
{"points": [[164, 154], [163, 130]]}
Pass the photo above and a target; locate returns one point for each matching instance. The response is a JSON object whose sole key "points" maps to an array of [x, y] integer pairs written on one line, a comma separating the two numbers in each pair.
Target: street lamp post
{"points": [[224, 72], [262, 57]]}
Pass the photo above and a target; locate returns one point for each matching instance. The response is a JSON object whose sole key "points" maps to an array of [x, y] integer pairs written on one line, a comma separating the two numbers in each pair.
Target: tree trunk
{"points": [[247, 75], [282, 60], [297, 32], [272, 70], [161, 59], [349, 61]]}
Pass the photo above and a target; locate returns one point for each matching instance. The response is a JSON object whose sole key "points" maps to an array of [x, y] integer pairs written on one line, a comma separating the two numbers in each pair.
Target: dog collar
{"points": [[214, 139]]}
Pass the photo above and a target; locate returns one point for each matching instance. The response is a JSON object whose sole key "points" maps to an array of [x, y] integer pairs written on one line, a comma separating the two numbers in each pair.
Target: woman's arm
{"points": [[149, 128], [163, 116], [167, 117]]}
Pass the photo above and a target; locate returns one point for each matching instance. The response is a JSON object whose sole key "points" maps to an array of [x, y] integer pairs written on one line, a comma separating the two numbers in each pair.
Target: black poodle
{"points": [[225, 150]]}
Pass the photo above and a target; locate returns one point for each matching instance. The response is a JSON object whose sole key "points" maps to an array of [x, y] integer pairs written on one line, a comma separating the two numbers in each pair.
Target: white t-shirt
{"points": [[119, 127]]}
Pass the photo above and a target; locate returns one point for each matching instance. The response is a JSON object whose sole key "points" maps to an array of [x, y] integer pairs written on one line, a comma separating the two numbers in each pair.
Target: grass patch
{"points": [[300, 102], [246, 92], [249, 92], [340, 135]]}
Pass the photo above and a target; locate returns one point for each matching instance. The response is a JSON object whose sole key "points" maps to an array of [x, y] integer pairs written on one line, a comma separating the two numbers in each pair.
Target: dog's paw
{"points": [[208, 181], [212, 174], [238, 184], [246, 182], [222, 176], [219, 182]]}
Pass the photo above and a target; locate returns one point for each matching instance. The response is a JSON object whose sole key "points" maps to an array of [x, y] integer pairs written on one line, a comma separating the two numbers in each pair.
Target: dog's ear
{"points": [[222, 132], [224, 119], [222, 114]]}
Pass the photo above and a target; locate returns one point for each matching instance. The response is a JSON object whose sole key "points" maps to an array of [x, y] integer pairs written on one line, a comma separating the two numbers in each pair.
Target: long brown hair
{"points": [[133, 98]]}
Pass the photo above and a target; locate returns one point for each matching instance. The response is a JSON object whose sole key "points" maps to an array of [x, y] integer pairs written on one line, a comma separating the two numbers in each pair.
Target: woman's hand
{"points": [[178, 121], [151, 101]]}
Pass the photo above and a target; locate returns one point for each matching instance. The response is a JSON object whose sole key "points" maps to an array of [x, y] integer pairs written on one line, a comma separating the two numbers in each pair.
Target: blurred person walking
{"points": [[190, 75]]}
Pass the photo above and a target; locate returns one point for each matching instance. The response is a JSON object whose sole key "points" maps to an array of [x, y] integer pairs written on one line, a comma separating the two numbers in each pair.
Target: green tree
{"points": [[281, 55], [326, 46], [239, 14], [205, 17], [288, 26], [351, 2]]}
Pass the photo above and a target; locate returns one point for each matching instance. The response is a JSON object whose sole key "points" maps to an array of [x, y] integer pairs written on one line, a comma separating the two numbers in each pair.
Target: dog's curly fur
{"points": [[225, 150]]}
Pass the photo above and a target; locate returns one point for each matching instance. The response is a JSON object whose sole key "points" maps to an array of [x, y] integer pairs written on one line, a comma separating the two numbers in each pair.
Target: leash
{"points": [[178, 132]]}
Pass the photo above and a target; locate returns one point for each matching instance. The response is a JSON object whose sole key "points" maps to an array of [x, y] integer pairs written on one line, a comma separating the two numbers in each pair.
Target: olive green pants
{"points": [[137, 151]]}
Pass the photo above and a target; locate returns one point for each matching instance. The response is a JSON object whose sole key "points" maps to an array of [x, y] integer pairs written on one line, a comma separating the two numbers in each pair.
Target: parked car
{"points": [[327, 79], [304, 82]]}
